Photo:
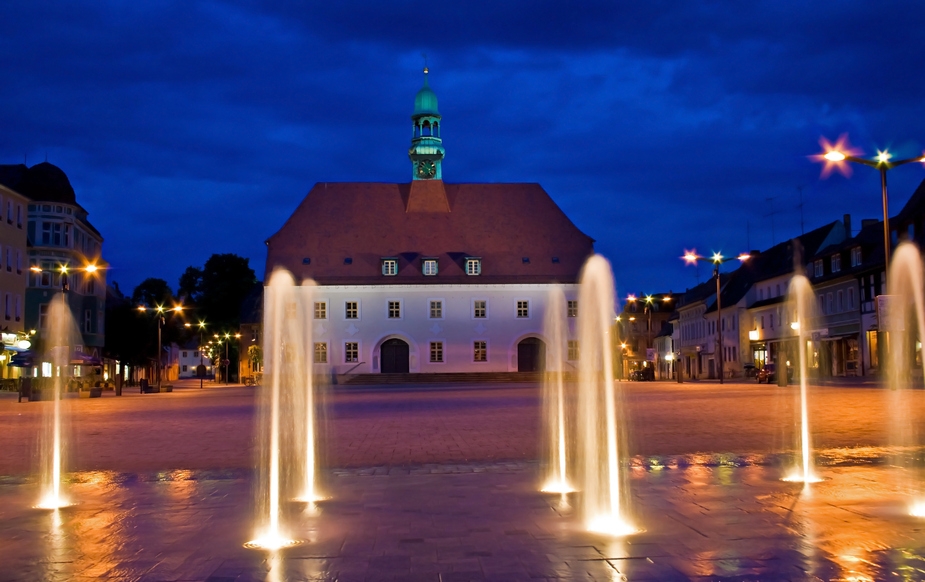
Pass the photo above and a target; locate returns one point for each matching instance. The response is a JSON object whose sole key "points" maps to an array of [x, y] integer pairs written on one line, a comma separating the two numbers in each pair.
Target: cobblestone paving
{"points": [[440, 485]]}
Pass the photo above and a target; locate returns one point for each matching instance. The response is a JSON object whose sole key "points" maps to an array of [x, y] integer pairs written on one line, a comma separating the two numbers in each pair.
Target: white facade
{"points": [[436, 321], [189, 359]]}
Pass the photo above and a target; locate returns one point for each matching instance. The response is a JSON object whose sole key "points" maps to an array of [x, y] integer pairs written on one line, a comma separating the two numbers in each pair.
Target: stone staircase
{"points": [[449, 378]]}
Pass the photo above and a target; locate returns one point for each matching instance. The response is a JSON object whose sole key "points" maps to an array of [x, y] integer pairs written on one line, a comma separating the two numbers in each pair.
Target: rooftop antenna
{"points": [[770, 202]]}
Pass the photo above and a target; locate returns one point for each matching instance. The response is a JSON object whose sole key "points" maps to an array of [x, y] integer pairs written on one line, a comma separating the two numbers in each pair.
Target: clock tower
{"points": [[426, 151]]}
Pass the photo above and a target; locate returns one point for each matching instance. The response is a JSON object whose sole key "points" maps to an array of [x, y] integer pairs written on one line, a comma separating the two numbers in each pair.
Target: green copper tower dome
{"points": [[426, 151]]}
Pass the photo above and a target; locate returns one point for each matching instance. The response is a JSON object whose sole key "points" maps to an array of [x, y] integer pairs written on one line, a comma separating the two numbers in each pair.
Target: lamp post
{"points": [[648, 303], [691, 257], [160, 313], [226, 339], [202, 325], [836, 154]]}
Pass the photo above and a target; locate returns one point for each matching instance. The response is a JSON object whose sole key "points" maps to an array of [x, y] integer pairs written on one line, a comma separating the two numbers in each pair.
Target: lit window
{"points": [[394, 309], [321, 353], [351, 310], [351, 352], [480, 309], [389, 267], [321, 310], [479, 351], [436, 309], [473, 266], [430, 267], [572, 350], [523, 309], [436, 351], [573, 308]]}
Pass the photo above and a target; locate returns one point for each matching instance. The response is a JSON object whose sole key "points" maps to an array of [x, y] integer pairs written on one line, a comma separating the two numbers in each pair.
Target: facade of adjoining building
{"points": [[13, 252], [429, 276], [62, 244]]}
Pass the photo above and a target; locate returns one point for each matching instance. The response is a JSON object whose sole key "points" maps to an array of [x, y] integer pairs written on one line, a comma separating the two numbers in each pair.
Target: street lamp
{"points": [[649, 302], [160, 312], [202, 326], [836, 154], [691, 257], [226, 339]]}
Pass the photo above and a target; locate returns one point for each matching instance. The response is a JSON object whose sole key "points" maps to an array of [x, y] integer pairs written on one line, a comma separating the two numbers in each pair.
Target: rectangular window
{"points": [[480, 309], [56, 234], [88, 321], [430, 267], [479, 351], [8, 306], [321, 310], [9, 212], [185, 368], [436, 351], [19, 216], [394, 309], [91, 285], [196, 354], [436, 309], [67, 235], [836, 263], [821, 300], [185, 354], [46, 233], [855, 256], [351, 352], [817, 268], [351, 310], [473, 266], [573, 308], [572, 350], [829, 303], [523, 309], [321, 353], [18, 262], [43, 315], [9, 259], [18, 307], [851, 298], [389, 267], [841, 301]]}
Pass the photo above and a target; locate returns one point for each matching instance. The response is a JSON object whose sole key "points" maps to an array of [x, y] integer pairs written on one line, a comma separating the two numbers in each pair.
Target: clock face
{"points": [[427, 169]]}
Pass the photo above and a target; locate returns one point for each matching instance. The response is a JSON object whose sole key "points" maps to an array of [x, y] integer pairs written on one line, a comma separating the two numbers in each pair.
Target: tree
{"points": [[153, 292], [255, 355], [190, 285], [226, 281]]}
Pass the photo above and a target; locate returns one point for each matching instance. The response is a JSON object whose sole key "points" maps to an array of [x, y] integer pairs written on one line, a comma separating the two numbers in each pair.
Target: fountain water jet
{"points": [[554, 400], [61, 339], [602, 481], [287, 419], [906, 287], [801, 301]]}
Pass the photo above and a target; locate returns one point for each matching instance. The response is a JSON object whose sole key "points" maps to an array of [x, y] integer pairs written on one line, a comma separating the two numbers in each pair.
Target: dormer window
{"points": [[473, 266], [817, 268], [836, 263], [389, 267], [855, 256], [429, 267]]}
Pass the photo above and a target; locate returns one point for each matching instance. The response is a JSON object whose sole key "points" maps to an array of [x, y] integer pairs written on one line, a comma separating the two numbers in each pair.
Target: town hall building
{"points": [[430, 276]]}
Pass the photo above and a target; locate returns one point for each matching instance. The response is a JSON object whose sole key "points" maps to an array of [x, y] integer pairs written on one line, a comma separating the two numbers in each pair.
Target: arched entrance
{"points": [[393, 357], [531, 355]]}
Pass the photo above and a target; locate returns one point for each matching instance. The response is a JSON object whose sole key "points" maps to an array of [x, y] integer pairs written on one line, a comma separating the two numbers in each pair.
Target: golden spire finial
{"points": [[425, 62]]}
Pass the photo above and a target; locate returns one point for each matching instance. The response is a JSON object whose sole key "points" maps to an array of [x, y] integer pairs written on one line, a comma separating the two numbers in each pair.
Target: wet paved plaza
{"points": [[418, 491]]}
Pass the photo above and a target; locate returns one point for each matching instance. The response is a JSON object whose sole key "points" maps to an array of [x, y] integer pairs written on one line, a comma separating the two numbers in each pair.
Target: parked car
{"points": [[643, 375], [769, 374]]}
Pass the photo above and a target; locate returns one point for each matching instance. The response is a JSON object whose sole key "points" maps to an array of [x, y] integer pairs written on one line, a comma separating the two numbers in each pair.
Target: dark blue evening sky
{"points": [[192, 128]]}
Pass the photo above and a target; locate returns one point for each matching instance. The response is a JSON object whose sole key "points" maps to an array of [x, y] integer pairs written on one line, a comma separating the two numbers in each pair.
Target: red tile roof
{"points": [[502, 224]]}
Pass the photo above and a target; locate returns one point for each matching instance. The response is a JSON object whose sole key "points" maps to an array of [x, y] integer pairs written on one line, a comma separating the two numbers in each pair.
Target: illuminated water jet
{"points": [[554, 400], [602, 480], [287, 411], [62, 337]]}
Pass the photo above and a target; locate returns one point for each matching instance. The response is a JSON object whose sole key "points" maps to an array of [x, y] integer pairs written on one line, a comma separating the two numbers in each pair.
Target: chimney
{"points": [[847, 221]]}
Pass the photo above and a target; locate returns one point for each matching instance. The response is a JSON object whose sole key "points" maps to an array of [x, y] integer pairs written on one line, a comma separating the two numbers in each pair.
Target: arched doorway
{"points": [[393, 357], [531, 355]]}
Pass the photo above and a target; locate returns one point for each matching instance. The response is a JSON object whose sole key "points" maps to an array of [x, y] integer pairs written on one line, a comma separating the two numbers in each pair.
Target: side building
{"points": [[13, 252], [428, 276], [64, 254]]}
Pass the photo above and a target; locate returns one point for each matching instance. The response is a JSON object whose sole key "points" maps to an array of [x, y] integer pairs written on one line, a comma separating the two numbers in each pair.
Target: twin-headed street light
{"points": [[160, 311], [691, 257], [202, 326], [226, 339], [835, 157]]}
